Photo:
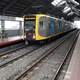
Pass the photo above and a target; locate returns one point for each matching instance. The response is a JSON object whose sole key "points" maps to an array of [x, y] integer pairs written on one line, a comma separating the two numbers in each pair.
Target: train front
{"points": [[29, 28]]}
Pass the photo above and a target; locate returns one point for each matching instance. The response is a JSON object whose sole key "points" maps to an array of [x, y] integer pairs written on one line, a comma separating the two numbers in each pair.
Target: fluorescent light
{"points": [[66, 9], [71, 13], [55, 2], [61, 3], [74, 2]]}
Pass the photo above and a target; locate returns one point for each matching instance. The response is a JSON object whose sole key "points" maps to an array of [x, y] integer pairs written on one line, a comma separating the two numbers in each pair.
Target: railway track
{"points": [[34, 69], [69, 50], [62, 72], [27, 61], [10, 49], [12, 56]]}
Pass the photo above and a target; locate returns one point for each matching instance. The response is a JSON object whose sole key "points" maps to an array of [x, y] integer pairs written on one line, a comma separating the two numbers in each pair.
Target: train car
{"points": [[40, 27]]}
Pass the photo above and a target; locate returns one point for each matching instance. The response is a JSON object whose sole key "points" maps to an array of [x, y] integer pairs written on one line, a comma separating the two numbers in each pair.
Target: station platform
{"points": [[10, 41], [73, 72]]}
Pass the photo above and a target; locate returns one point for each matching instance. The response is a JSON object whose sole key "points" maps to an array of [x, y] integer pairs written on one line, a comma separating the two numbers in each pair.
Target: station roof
{"points": [[20, 8]]}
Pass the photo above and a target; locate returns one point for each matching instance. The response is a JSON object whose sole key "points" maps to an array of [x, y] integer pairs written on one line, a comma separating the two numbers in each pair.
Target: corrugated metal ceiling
{"points": [[23, 7]]}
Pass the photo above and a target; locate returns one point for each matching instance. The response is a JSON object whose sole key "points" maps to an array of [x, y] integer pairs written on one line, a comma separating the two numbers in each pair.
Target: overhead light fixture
{"points": [[61, 3], [66, 9], [71, 13], [55, 2], [74, 2]]}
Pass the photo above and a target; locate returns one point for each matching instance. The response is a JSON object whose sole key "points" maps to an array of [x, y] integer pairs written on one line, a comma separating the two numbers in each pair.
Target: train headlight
{"points": [[34, 36]]}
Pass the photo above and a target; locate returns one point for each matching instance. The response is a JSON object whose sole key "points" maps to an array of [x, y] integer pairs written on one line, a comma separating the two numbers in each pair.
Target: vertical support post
{"points": [[2, 29], [20, 24]]}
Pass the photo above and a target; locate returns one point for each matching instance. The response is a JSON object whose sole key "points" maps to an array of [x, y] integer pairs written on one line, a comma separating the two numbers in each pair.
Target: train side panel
{"points": [[60, 25], [52, 26], [45, 28]]}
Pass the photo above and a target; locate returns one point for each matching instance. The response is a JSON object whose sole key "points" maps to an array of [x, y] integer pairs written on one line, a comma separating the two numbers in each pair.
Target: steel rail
{"points": [[12, 50], [57, 72], [16, 58]]}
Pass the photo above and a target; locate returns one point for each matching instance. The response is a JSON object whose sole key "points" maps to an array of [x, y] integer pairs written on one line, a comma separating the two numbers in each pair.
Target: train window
{"points": [[41, 25], [44, 23], [29, 24], [0, 26]]}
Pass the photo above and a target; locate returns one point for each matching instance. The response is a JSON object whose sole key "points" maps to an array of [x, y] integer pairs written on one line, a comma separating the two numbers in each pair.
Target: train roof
{"points": [[47, 15], [32, 15]]}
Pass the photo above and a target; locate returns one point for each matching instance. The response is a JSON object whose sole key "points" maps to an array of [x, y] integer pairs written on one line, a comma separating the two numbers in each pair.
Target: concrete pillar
{"points": [[20, 24], [2, 29]]}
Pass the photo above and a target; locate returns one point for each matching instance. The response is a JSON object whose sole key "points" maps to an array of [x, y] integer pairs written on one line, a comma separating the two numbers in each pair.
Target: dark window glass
{"points": [[41, 24], [29, 24]]}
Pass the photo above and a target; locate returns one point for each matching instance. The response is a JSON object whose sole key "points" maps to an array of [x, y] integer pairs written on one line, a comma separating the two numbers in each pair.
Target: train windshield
{"points": [[29, 24]]}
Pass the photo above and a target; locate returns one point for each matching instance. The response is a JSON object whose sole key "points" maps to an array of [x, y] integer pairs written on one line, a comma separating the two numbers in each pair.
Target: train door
{"points": [[52, 24], [60, 25], [44, 23], [56, 26]]}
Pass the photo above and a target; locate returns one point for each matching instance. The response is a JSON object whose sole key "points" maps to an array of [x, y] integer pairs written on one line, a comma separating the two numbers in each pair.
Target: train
{"points": [[41, 27]]}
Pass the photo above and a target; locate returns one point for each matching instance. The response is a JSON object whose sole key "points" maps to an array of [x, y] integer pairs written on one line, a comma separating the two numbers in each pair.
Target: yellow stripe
{"points": [[38, 37], [36, 29]]}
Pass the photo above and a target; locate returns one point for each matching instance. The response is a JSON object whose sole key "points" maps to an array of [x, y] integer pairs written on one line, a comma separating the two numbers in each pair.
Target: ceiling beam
{"points": [[9, 5], [27, 8]]}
